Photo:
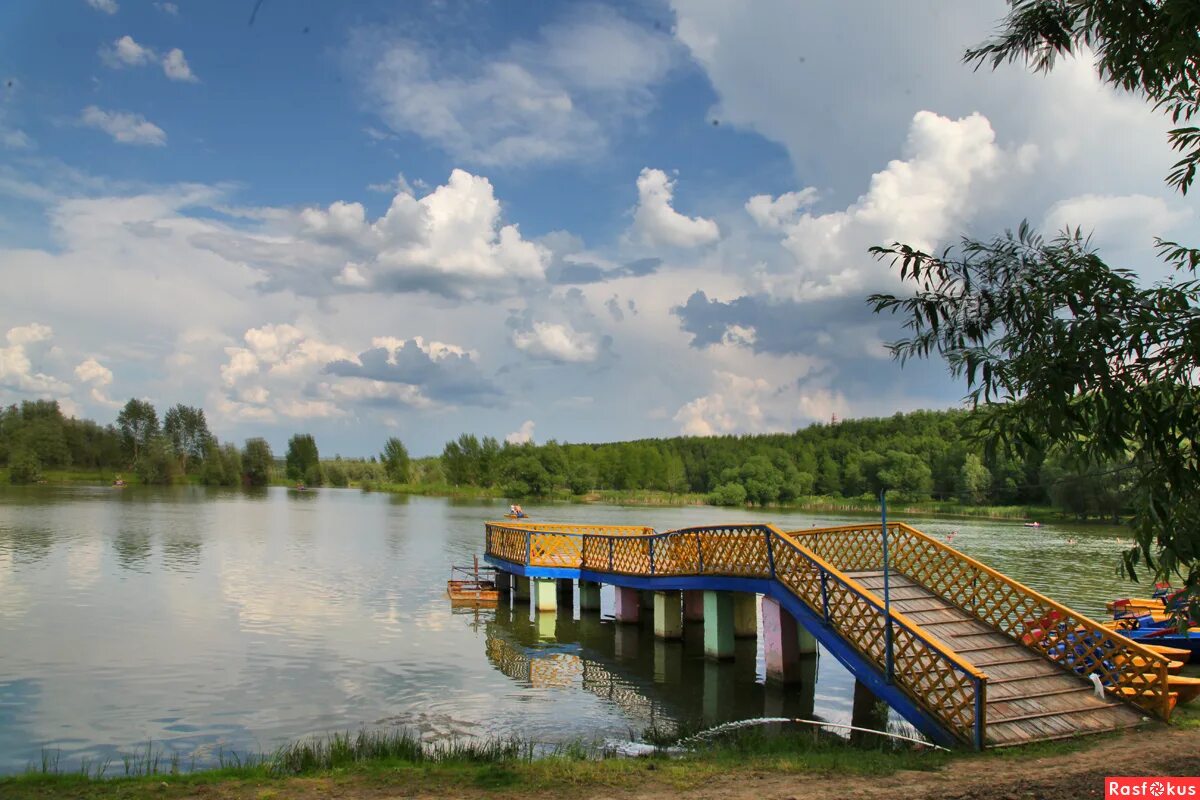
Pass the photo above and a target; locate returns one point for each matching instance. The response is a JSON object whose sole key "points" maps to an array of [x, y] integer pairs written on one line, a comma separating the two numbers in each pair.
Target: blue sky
{"points": [[574, 221]]}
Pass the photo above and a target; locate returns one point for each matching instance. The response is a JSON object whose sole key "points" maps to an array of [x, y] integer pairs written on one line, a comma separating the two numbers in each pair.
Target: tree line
{"points": [[924, 455]]}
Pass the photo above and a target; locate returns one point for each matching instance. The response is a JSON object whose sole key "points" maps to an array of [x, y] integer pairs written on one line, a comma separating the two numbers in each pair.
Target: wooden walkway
{"points": [[965, 653], [1030, 698]]}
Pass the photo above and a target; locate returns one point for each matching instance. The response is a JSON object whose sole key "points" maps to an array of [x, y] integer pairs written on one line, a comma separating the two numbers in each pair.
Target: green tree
{"points": [[525, 476], [187, 430], [138, 422], [335, 473], [974, 480], [157, 463], [1056, 346], [302, 457], [212, 473], [728, 494], [256, 462], [395, 460], [231, 464], [24, 467]]}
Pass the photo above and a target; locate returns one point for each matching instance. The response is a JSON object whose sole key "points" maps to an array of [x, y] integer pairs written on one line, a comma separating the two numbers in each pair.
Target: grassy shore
{"points": [[405, 766]]}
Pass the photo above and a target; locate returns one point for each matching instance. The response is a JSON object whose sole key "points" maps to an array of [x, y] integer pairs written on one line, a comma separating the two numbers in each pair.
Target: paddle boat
{"points": [[1149, 630], [1033, 524]]}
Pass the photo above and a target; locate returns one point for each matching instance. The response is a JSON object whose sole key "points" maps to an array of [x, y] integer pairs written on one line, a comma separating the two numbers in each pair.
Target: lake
{"points": [[207, 621]]}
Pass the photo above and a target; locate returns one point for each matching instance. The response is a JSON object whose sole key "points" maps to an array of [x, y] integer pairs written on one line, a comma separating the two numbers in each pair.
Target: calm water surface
{"points": [[206, 620]]}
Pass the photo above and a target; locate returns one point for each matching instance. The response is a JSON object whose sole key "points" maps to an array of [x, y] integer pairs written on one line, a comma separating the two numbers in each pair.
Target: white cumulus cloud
{"points": [[521, 435], [556, 342], [107, 6], [124, 127], [126, 52], [99, 377], [656, 222]]}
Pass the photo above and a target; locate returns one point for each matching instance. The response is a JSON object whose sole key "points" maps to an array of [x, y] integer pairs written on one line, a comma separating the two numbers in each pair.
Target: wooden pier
{"points": [[964, 653]]}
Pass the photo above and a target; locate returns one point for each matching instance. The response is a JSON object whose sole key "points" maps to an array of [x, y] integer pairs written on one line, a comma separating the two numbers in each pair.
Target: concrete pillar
{"points": [[521, 592], [668, 621], [545, 598], [647, 601], [745, 615], [566, 590], [784, 642], [628, 604], [868, 712], [693, 606], [504, 580], [718, 624], [589, 596]]}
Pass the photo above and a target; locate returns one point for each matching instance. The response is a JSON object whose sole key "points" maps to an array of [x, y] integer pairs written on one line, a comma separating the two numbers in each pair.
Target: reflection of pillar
{"points": [[564, 625], [668, 662], [625, 642], [566, 590], [693, 606], [745, 615], [544, 595], [504, 580], [589, 596], [504, 613], [521, 593], [668, 624], [718, 690], [544, 623], [718, 624], [628, 604], [868, 712], [782, 642]]}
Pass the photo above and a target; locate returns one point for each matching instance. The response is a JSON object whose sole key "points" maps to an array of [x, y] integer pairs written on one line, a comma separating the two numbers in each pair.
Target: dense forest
{"points": [[924, 455]]}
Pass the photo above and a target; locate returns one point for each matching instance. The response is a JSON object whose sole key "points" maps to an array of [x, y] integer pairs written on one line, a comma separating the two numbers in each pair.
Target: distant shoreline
{"points": [[647, 498]]}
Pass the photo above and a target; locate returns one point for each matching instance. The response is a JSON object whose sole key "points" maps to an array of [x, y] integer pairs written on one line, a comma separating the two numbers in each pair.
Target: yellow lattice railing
{"points": [[1070, 639], [932, 675]]}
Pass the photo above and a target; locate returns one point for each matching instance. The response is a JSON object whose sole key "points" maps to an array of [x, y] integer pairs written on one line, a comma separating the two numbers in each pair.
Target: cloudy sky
{"points": [[571, 221]]}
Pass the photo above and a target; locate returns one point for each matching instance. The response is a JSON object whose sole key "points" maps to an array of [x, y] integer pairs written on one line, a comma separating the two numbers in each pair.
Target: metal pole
{"points": [[887, 597]]}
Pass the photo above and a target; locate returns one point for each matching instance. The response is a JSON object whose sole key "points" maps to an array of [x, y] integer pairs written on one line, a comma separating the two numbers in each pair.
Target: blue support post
{"points": [[887, 599], [770, 553], [652, 556], [528, 537], [980, 706]]}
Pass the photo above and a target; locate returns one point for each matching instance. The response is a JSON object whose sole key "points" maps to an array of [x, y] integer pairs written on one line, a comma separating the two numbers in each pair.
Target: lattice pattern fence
{"points": [[1066, 637], [925, 669]]}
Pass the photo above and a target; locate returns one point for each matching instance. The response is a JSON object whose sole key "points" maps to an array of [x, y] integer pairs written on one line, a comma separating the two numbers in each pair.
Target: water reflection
{"points": [[668, 685]]}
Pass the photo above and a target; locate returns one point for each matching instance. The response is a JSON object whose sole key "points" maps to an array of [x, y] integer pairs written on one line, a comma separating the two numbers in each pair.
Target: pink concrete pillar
{"points": [[781, 642], [693, 606], [628, 604]]}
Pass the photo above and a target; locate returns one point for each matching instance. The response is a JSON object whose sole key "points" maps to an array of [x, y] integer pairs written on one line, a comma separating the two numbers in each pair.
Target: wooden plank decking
{"points": [[1029, 698]]}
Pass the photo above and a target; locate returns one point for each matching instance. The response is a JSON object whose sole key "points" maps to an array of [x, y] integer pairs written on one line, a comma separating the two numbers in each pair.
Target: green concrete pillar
{"points": [[521, 592], [668, 620], [718, 625], [589, 596], [745, 615], [808, 642], [545, 596]]}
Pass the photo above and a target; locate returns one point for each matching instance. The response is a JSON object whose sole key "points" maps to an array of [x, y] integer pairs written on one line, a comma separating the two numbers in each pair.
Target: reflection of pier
{"points": [[656, 682]]}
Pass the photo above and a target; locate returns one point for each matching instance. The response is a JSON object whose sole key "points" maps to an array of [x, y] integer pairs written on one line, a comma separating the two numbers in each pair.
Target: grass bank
{"points": [[406, 766]]}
